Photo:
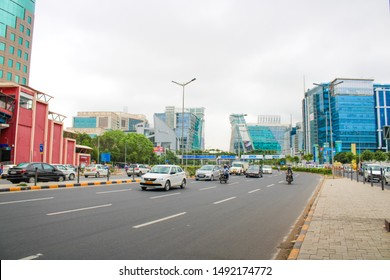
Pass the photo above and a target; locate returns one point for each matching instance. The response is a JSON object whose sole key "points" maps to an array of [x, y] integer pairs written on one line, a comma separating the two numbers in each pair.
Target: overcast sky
{"points": [[247, 56]]}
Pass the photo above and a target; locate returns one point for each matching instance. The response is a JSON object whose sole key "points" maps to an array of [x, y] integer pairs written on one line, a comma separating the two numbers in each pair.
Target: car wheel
{"points": [[183, 184], [31, 180], [167, 185], [212, 178], [97, 175], [139, 174], [143, 188], [71, 176], [61, 178]]}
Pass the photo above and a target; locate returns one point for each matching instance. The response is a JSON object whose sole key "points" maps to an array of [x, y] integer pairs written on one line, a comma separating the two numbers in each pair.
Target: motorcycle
{"points": [[289, 178], [223, 178]]}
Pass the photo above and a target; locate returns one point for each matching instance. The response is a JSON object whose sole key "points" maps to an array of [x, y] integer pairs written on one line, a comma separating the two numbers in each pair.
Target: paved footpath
{"points": [[347, 221]]}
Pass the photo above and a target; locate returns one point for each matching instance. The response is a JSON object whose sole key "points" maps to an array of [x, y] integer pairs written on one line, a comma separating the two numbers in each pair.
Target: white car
{"points": [[164, 177], [267, 169], [69, 173], [207, 172], [95, 170], [137, 169]]}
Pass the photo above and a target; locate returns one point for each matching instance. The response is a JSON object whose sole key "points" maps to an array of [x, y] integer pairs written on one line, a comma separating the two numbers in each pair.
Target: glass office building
{"points": [[16, 33], [353, 110]]}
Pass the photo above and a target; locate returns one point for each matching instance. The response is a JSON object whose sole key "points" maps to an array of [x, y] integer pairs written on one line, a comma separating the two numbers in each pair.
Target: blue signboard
{"points": [[228, 157], [105, 157], [199, 157]]}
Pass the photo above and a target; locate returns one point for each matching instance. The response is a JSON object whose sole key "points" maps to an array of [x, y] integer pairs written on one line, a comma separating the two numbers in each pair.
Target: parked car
{"points": [[164, 177], [96, 170], [4, 169], [254, 171], [207, 172], [69, 172], [25, 172], [376, 172], [137, 169], [267, 169]]}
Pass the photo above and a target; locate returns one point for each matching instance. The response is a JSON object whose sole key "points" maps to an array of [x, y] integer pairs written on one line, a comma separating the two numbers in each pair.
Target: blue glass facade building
{"points": [[354, 110]]}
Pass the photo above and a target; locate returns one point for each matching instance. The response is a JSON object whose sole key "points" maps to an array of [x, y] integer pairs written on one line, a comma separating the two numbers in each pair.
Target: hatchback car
{"points": [[95, 170], [254, 171], [164, 177], [137, 169], [70, 173], [25, 172], [207, 172]]}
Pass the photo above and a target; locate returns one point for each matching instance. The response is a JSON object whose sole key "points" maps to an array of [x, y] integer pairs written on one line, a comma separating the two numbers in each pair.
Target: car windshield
{"points": [[374, 167], [253, 167], [207, 167], [160, 169], [237, 165], [266, 167], [22, 165]]}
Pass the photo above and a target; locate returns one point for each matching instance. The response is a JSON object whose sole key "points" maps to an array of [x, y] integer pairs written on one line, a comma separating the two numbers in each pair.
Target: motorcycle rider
{"points": [[226, 171], [289, 172]]}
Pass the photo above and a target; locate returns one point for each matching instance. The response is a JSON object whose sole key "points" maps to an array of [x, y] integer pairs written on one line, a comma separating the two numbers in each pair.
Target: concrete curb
{"points": [[69, 185], [302, 234]]}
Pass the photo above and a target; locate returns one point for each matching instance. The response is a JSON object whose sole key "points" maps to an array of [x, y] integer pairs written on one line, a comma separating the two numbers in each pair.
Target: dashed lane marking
{"points": [[113, 191], [270, 185], [79, 209], [159, 220], [165, 195], [227, 199], [256, 190], [26, 200], [208, 188]]}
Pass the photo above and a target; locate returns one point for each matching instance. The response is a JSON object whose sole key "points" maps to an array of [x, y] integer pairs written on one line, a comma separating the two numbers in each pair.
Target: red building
{"points": [[29, 131]]}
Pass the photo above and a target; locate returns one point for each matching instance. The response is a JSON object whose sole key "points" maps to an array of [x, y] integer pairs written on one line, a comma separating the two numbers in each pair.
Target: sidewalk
{"points": [[347, 221]]}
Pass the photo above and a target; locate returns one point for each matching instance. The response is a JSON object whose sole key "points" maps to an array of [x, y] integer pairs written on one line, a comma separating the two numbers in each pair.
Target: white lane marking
{"points": [[280, 182], [235, 183], [32, 257], [114, 191], [165, 195], [208, 188], [159, 220], [250, 180], [77, 210], [26, 200], [270, 185], [230, 198], [256, 190]]}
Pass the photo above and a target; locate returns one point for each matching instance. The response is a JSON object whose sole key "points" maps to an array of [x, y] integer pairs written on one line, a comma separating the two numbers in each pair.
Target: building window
{"points": [[26, 56], [21, 28], [29, 19], [1, 59], [11, 50], [20, 53], [28, 32], [25, 68], [10, 63], [18, 65], [17, 78], [20, 40], [1, 73], [9, 76], [25, 101], [24, 81], [27, 44], [2, 46], [12, 36]]}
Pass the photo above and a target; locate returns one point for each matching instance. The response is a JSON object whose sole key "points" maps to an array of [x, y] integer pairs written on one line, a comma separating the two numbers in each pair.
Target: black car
{"points": [[254, 171], [25, 172]]}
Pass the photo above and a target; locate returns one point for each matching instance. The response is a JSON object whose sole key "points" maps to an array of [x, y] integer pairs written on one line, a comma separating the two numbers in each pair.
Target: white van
{"points": [[238, 168]]}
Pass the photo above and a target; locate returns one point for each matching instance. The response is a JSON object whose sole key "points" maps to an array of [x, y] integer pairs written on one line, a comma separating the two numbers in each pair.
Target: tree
{"points": [[308, 157], [344, 157], [367, 155], [380, 156]]}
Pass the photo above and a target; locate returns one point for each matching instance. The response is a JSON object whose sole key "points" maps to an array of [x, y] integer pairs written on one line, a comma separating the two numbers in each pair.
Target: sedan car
{"points": [[207, 172], [95, 170], [137, 169], [267, 169], [26, 171], [254, 171], [164, 177], [70, 173]]}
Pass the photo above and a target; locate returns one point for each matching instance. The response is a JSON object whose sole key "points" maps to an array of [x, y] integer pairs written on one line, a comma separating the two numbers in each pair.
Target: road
{"points": [[245, 219]]}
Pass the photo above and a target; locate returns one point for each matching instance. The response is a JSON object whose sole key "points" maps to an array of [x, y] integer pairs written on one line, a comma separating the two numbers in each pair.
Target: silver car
{"points": [[95, 170], [69, 173], [207, 172]]}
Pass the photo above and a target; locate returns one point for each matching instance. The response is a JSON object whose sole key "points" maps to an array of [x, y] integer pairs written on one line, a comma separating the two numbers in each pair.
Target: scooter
{"points": [[289, 179], [223, 178]]}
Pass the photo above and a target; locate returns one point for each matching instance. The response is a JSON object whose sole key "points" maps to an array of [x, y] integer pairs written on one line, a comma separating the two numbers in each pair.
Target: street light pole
{"points": [[182, 118]]}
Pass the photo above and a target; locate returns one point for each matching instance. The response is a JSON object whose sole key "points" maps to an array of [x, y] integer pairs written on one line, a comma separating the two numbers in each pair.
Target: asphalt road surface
{"points": [[245, 219]]}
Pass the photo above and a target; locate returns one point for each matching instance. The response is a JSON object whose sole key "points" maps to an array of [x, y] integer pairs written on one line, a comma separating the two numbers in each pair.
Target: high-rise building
{"points": [[268, 135], [96, 123], [347, 111], [191, 126], [16, 33]]}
